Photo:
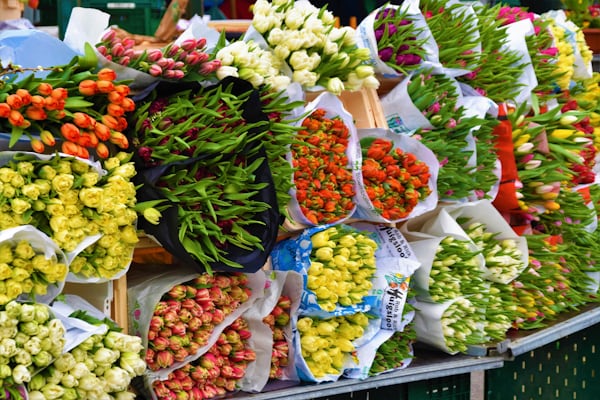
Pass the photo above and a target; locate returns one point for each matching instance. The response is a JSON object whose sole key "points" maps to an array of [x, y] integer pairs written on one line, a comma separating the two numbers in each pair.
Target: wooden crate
{"points": [[363, 105]]}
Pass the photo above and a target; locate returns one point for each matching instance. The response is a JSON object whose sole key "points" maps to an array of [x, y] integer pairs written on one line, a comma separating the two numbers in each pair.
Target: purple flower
{"points": [[388, 12], [386, 54], [404, 22], [379, 33], [145, 153], [392, 29]]}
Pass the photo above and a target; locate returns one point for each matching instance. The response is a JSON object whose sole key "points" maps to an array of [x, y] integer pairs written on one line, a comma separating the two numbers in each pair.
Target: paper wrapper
{"points": [[77, 329], [516, 42], [334, 108], [278, 283], [365, 210], [429, 327], [484, 212], [396, 263], [433, 229]]}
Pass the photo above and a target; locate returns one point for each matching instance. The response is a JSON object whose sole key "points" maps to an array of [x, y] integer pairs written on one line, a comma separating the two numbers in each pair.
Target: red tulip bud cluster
{"points": [[277, 320], [171, 62], [216, 372], [186, 316]]}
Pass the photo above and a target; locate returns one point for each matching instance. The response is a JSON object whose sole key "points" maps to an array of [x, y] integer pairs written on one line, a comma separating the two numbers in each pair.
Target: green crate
{"points": [[454, 387], [565, 369]]}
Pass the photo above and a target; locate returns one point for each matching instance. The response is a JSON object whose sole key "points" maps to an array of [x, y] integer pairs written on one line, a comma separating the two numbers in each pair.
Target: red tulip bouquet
{"points": [[398, 177], [324, 156]]}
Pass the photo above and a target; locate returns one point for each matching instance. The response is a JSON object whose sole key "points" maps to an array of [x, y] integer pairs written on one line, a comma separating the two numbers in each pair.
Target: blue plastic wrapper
{"points": [[294, 255], [30, 48]]}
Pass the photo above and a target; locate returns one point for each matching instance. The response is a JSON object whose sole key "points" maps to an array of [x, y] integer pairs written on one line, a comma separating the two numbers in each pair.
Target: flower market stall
{"points": [[303, 212]]}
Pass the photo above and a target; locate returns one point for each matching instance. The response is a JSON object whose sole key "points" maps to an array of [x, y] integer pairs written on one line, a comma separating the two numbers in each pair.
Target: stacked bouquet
{"points": [[307, 40]]}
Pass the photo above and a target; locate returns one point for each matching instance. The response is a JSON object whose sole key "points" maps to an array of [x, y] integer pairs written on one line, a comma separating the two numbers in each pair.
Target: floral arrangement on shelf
{"points": [[584, 13]]}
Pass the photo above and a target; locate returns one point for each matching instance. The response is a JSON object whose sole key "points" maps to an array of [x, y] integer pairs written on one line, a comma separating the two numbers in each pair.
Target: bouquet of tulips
{"points": [[339, 264], [544, 54], [86, 208], [453, 25], [318, 53], [399, 177], [551, 284], [249, 60], [32, 338], [451, 326], [423, 100], [98, 358], [325, 347], [73, 108], [452, 265], [180, 314], [398, 39], [505, 253], [479, 120], [323, 157], [201, 153], [177, 61], [391, 347], [500, 66], [31, 266], [216, 372], [279, 308]]}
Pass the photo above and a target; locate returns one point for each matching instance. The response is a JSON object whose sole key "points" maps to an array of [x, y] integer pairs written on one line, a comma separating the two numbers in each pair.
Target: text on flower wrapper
{"points": [[395, 239], [397, 125], [394, 299]]}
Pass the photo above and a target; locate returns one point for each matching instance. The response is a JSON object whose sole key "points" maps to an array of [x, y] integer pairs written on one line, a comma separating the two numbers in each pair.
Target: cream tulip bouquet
{"points": [[319, 54]]}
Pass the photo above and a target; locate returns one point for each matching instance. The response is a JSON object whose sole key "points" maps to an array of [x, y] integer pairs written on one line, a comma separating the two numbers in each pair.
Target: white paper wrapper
{"points": [[433, 229], [145, 291], [516, 42], [365, 37], [365, 210], [428, 324], [484, 212], [77, 329], [400, 112], [333, 107], [396, 263], [278, 283]]}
